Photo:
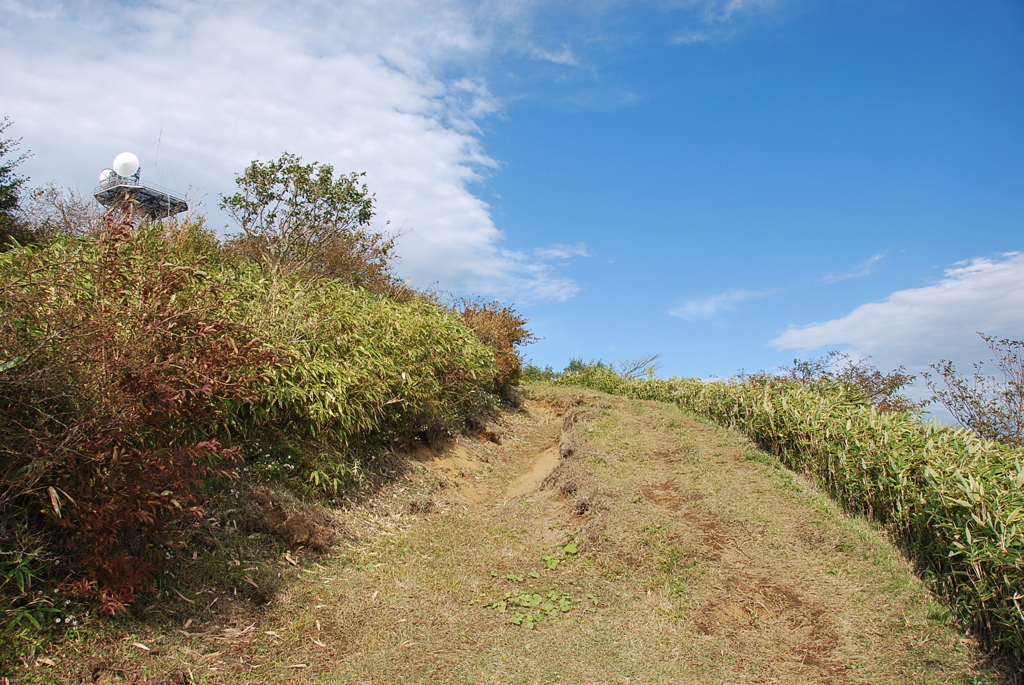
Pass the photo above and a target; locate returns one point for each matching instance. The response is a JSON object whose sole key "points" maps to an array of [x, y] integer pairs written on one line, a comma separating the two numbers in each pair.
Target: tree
{"points": [[992, 408], [49, 212], [300, 218], [10, 190]]}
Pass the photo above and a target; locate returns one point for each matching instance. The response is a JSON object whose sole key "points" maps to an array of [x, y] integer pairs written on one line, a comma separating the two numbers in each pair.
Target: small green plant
{"points": [[672, 558], [528, 608], [28, 614]]}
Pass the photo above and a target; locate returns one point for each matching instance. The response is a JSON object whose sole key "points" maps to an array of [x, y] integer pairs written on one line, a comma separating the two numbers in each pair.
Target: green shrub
{"points": [[140, 368], [357, 365], [536, 374], [12, 230]]}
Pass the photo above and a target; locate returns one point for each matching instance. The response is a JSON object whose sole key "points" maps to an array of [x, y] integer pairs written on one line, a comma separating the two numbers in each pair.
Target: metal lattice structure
{"points": [[142, 199]]}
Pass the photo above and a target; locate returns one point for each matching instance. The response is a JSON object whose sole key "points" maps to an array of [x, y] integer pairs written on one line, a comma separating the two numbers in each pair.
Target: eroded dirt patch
{"points": [[531, 480], [668, 495]]}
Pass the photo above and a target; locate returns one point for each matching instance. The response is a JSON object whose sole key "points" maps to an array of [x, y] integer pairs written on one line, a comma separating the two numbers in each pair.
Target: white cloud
{"points": [[41, 9], [390, 87], [723, 10], [707, 307], [863, 270], [354, 84], [722, 20], [917, 327], [693, 38], [564, 56]]}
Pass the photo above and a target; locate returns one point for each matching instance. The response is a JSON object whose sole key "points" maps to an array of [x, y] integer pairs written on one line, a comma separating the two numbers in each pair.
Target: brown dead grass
{"points": [[705, 562]]}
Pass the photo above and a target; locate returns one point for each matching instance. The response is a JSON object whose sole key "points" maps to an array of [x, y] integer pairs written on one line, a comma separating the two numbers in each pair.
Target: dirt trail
{"points": [[603, 541], [546, 462]]}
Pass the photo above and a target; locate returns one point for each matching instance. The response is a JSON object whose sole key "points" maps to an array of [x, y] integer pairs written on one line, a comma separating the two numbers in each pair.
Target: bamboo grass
{"points": [[953, 500]]}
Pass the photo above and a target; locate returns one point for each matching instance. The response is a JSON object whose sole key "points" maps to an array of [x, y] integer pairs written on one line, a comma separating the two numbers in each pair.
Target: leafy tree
{"points": [[992, 408], [10, 190], [302, 218]]}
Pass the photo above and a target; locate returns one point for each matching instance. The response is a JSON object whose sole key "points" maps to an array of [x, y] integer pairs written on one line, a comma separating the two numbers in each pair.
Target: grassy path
{"points": [[603, 541]]}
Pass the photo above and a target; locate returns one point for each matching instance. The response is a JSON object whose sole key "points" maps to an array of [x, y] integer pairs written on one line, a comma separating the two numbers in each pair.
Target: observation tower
{"points": [[120, 187]]}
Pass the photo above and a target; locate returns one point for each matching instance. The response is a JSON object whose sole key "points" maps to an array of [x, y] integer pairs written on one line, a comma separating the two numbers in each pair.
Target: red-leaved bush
{"points": [[118, 370], [503, 330]]}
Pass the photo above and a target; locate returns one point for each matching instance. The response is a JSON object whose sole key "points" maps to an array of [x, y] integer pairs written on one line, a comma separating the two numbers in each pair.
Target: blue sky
{"points": [[731, 183]]}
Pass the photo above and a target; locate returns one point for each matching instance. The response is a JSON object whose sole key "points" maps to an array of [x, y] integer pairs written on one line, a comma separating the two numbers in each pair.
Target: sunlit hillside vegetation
{"points": [[149, 370], [143, 370], [954, 500]]}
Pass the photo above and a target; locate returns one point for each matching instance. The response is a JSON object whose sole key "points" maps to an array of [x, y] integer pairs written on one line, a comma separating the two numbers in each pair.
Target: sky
{"points": [[730, 183]]}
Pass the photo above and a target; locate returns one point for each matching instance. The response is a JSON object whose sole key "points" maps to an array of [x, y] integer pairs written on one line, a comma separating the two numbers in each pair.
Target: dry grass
{"points": [[698, 560]]}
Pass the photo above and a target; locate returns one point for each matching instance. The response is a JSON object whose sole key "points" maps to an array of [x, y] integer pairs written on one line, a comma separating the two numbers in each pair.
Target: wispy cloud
{"points": [[720, 20], [564, 56], [693, 38], [917, 327], [562, 251], [362, 85], [861, 271], [724, 10], [39, 9], [708, 307]]}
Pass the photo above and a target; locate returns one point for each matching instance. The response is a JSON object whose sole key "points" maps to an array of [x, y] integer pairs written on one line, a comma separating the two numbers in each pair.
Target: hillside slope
{"points": [[604, 540]]}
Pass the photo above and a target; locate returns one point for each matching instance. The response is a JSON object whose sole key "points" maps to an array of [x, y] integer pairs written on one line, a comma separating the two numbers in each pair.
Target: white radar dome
{"points": [[105, 175], [126, 164]]}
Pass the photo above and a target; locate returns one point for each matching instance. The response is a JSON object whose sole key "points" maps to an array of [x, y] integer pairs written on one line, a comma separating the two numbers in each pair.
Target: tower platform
{"points": [[149, 201]]}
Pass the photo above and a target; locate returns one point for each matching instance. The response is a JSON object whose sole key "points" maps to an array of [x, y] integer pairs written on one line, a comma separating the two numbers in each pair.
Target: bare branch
{"points": [[645, 365]]}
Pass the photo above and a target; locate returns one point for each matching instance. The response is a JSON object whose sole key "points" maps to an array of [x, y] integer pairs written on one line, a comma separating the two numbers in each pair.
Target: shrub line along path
{"points": [[604, 540]]}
